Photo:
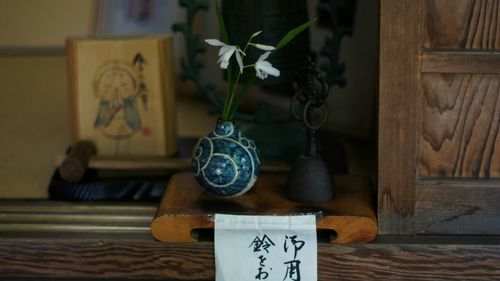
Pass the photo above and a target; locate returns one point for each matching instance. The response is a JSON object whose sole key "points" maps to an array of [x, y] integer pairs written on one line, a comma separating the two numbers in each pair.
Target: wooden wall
{"points": [[35, 23]]}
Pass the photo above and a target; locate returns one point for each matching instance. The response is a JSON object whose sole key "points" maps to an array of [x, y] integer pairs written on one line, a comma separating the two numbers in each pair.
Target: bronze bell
{"points": [[309, 180]]}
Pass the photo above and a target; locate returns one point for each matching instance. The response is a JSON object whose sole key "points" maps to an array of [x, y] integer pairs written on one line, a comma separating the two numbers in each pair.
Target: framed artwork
{"points": [[122, 95], [135, 17]]}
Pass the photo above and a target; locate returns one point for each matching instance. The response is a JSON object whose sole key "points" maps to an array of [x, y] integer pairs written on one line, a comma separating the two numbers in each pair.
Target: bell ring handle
{"points": [[295, 99], [322, 121]]}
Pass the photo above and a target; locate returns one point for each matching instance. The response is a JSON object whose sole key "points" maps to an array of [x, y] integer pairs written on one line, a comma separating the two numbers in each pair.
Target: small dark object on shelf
{"points": [[76, 180], [101, 179], [94, 188], [76, 162], [309, 180]]}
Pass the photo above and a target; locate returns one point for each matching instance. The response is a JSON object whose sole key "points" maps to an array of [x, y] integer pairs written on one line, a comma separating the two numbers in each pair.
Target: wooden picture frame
{"points": [[122, 94]]}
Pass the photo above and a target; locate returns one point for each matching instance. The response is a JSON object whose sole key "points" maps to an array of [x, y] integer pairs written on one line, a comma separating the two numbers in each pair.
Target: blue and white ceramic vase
{"points": [[224, 162]]}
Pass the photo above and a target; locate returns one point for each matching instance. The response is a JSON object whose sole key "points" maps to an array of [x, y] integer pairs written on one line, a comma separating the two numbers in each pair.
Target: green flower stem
{"points": [[248, 44], [241, 97], [226, 116], [231, 103], [225, 110]]}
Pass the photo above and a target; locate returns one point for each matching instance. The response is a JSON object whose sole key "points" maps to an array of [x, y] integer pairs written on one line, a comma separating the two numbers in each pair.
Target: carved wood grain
{"points": [[458, 207], [398, 92], [460, 62], [460, 131], [22, 259], [462, 24]]}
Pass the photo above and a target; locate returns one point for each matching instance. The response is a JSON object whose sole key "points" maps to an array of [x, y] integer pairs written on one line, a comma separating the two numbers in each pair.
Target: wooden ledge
{"points": [[52, 251], [185, 208], [118, 259]]}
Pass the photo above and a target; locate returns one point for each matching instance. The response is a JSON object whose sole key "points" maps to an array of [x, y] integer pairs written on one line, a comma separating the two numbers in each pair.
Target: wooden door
{"points": [[439, 117]]}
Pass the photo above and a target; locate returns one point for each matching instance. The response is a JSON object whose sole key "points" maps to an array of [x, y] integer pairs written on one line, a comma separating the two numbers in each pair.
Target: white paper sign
{"points": [[272, 248]]}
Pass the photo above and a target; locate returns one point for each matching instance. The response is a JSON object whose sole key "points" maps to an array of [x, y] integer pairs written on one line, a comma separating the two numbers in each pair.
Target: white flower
{"points": [[264, 47], [264, 68], [225, 53]]}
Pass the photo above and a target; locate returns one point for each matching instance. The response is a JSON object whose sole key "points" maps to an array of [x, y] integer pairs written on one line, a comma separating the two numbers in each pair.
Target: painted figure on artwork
{"points": [[120, 86]]}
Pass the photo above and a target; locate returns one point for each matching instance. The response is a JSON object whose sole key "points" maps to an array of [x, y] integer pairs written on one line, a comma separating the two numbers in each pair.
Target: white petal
{"points": [[240, 50], [266, 67], [227, 55], [224, 64], [264, 56], [259, 73], [240, 61], [264, 47], [214, 42], [255, 34], [225, 49], [272, 71]]}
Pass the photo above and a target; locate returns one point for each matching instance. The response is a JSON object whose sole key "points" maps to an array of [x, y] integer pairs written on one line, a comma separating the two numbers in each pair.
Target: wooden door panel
{"points": [[461, 24], [457, 189], [465, 207], [439, 115], [460, 134]]}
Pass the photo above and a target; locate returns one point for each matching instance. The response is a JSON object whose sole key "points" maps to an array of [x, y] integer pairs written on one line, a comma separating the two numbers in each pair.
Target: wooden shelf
{"points": [[185, 208], [61, 241]]}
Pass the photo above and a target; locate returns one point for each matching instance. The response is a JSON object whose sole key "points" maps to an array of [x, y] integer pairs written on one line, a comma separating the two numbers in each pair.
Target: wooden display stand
{"points": [[185, 208]]}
